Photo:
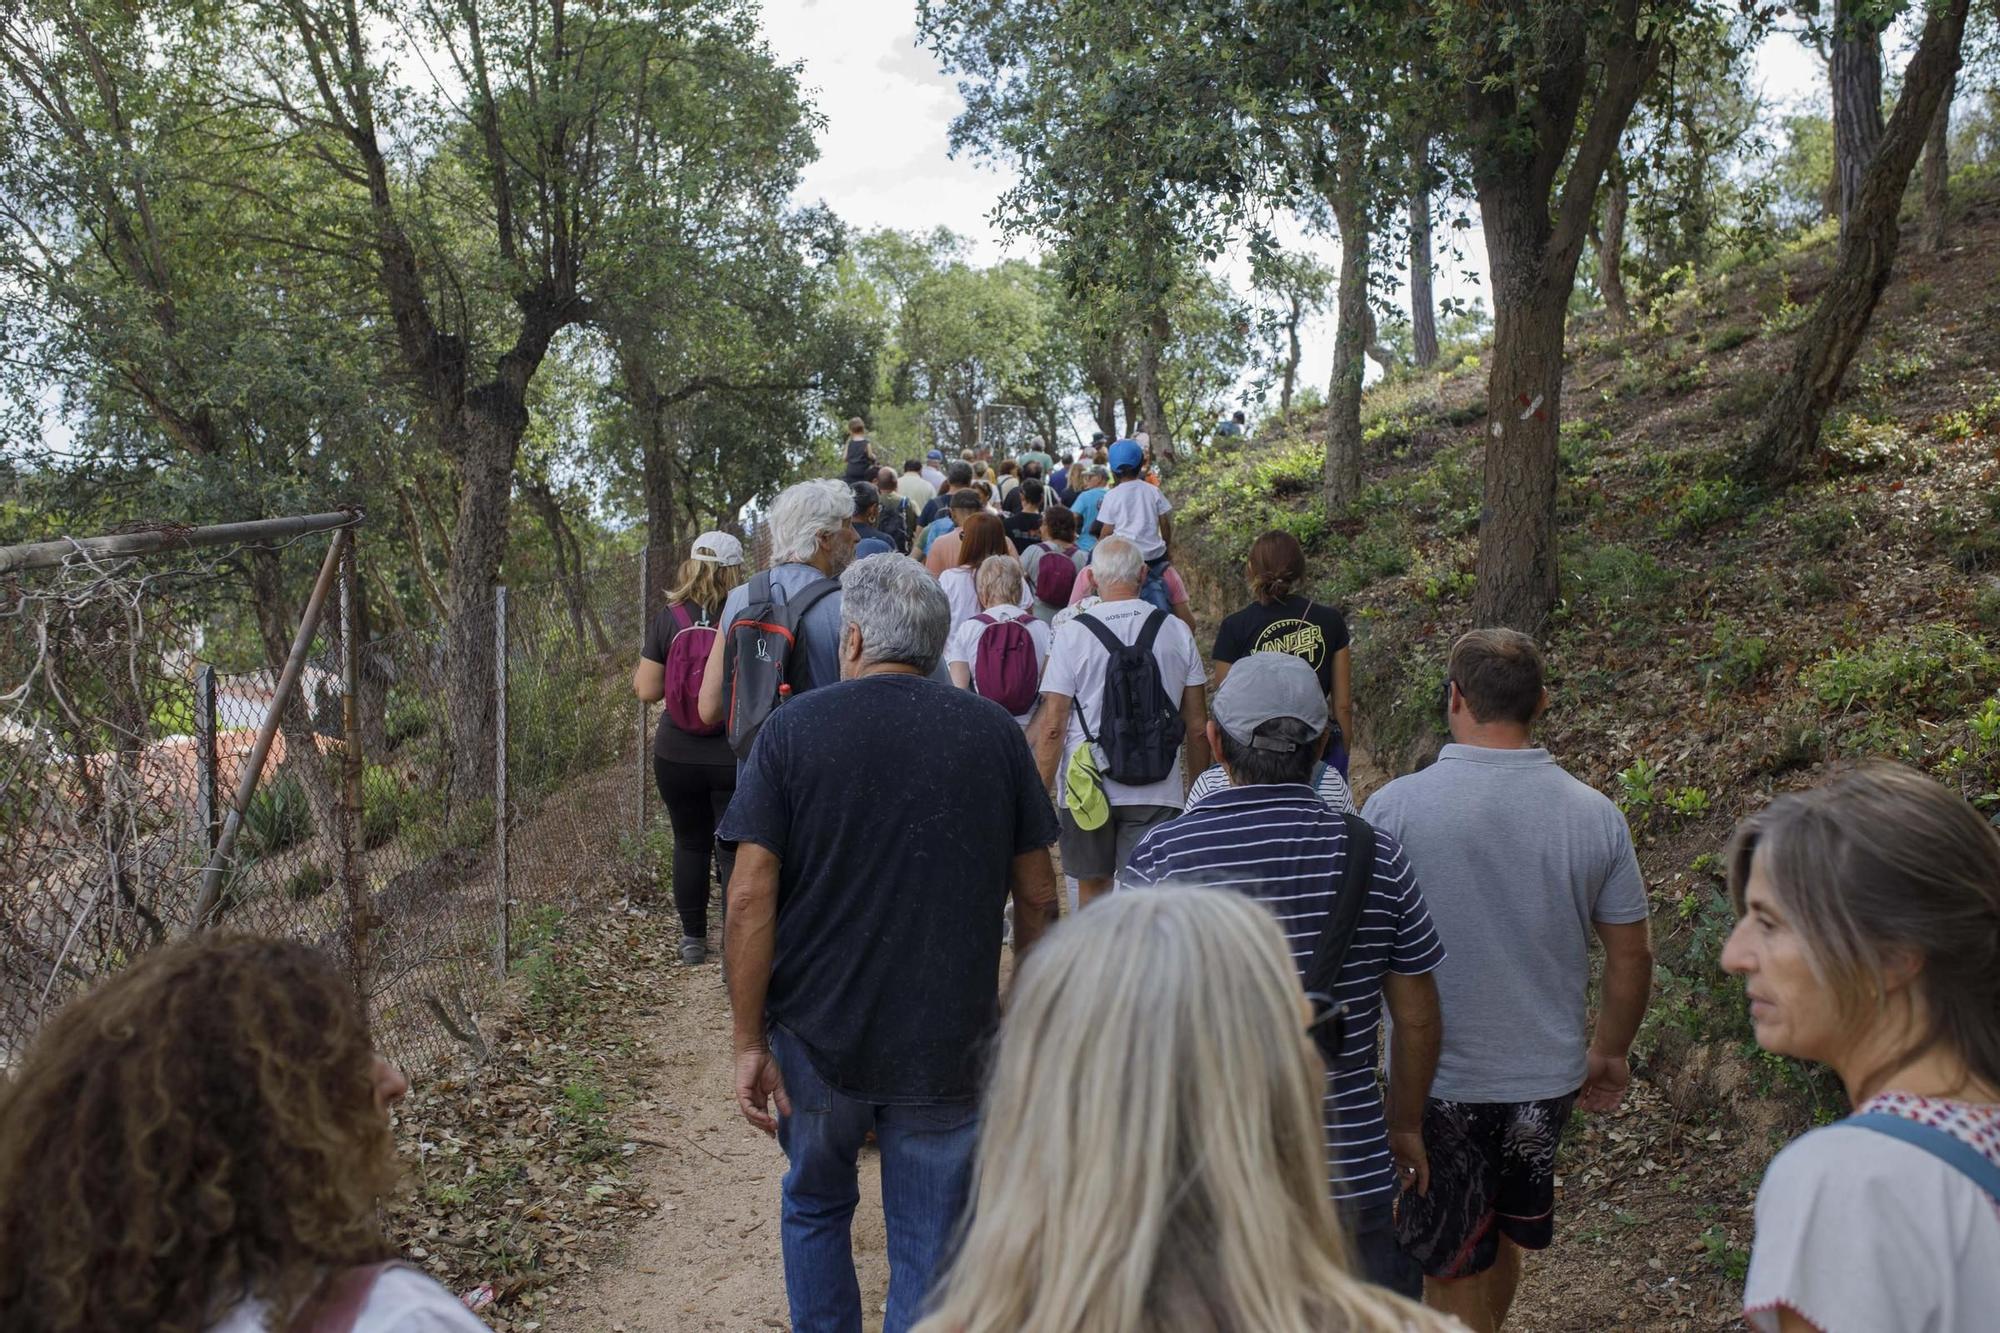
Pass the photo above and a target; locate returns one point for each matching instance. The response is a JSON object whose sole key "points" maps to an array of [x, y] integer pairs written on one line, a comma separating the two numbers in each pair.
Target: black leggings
{"points": [[696, 795]]}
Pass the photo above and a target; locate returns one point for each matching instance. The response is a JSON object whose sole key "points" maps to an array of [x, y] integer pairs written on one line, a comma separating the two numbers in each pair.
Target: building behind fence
{"points": [[367, 830]]}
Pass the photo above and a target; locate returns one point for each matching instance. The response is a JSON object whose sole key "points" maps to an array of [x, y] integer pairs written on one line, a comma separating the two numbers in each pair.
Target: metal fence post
{"points": [[360, 912], [207, 787], [500, 904], [645, 606]]}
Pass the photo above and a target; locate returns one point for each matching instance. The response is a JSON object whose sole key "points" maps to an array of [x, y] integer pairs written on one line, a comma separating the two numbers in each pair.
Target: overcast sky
{"points": [[884, 159]]}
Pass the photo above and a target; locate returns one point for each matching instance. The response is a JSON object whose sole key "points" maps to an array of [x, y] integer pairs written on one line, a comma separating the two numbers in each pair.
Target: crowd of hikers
{"points": [[1182, 1112]]}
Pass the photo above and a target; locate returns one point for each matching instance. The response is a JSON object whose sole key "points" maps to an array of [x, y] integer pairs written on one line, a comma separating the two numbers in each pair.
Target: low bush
{"points": [[1939, 668], [1857, 444], [279, 816], [1735, 659], [1611, 575]]}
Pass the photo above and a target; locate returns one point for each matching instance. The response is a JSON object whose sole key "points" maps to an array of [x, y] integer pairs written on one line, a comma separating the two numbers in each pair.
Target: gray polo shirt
{"points": [[1518, 859]]}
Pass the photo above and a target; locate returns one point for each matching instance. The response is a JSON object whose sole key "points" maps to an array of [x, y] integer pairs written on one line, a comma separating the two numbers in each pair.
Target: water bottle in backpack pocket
{"points": [[1003, 665], [1139, 729]]}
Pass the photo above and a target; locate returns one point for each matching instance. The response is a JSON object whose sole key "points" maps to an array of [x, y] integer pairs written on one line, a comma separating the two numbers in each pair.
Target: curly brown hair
{"points": [[199, 1129]]}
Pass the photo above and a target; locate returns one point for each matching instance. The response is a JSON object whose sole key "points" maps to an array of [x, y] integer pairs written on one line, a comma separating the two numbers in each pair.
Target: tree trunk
{"points": [[1291, 357], [1151, 344], [1423, 305], [1517, 575], [1342, 481], [1107, 411], [569, 564], [1937, 172], [1856, 76], [1790, 429], [489, 441], [1611, 248], [1130, 396]]}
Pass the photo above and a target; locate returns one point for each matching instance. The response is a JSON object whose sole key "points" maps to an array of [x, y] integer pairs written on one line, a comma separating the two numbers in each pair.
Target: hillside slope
{"points": [[1713, 647]]}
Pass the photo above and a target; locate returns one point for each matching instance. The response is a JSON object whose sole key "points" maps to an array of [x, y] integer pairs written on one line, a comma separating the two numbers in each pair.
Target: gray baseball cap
{"points": [[1264, 686]]}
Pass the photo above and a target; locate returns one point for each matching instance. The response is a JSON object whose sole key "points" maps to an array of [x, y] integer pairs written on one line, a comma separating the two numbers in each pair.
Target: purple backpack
{"points": [[1004, 668], [687, 660]]}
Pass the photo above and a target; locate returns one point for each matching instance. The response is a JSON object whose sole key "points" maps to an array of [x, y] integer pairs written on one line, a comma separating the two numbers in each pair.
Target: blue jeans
{"points": [[926, 1176]]}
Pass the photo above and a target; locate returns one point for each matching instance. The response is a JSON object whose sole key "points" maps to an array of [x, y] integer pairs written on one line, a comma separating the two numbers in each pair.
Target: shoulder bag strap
{"points": [[1112, 646], [1151, 631], [679, 611], [1357, 883], [1939, 1143]]}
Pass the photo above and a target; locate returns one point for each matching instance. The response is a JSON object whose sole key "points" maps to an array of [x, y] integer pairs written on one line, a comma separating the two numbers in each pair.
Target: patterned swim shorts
{"points": [[1493, 1174]]}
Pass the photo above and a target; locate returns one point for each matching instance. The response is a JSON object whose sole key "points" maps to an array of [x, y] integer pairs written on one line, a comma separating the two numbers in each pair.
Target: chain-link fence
{"points": [[410, 806]]}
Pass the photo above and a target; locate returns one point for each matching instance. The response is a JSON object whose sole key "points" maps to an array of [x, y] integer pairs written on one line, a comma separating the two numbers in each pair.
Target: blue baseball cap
{"points": [[1127, 456], [935, 455]]}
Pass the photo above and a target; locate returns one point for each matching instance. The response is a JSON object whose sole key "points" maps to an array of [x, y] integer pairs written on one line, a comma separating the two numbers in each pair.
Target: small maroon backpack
{"points": [[1004, 668], [687, 660]]}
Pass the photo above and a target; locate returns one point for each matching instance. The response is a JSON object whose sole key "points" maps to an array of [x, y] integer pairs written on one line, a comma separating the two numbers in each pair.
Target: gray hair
{"points": [[1115, 562], [998, 581], [900, 610], [802, 512]]}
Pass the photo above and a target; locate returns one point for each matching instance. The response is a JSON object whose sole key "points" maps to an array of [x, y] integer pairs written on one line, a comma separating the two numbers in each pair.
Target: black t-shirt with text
{"points": [[892, 879], [1023, 527], [1294, 625]]}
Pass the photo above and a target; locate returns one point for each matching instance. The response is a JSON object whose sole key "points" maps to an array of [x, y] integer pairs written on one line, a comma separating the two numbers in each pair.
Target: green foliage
{"points": [[1936, 667], [1638, 789], [1704, 504], [1746, 394], [564, 720], [385, 798], [308, 881], [1728, 1258], [1736, 659], [1858, 444], [1824, 528], [1728, 338], [1688, 802], [1612, 575], [1970, 540], [279, 816]]}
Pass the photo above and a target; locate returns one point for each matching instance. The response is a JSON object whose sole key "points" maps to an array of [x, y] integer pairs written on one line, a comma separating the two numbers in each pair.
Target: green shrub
{"points": [[1728, 338], [385, 799], [1704, 504], [1824, 528], [1735, 659], [408, 715], [1577, 444], [1611, 575], [1970, 541], [1986, 605], [1638, 788], [279, 816], [307, 882], [1746, 395], [1857, 444], [1939, 667], [563, 720]]}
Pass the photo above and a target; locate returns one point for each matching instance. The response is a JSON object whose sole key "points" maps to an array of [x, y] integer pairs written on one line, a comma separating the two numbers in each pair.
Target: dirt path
{"points": [[708, 1258]]}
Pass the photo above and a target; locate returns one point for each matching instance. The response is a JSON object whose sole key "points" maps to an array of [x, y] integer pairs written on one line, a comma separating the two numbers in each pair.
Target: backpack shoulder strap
{"points": [[680, 614], [1111, 642], [1151, 632], [1941, 1144], [1357, 881]]}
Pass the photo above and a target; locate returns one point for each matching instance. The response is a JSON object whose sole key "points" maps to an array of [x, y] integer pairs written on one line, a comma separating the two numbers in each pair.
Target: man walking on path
{"points": [[1106, 805], [917, 489], [1521, 864], [933, 471], [812, 538], [864, 971], [1270, 836]]}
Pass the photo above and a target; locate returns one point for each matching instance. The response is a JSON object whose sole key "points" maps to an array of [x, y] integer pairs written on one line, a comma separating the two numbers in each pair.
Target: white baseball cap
{"points": [[717, 548]]}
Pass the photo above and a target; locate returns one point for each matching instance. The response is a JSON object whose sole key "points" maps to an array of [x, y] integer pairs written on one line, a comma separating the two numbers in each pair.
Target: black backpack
{"points": [[1139, 729], [1336, 937], [760, 644]]}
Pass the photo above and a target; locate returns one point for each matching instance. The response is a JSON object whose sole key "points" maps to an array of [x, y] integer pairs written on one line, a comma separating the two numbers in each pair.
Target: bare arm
{"points": [[961, 674], [1628, 985], [1033, 883], [1167, 529], [1053, 725], [750, 939], [649, 681], [1414, 1040], [709, 703], [1194, 712], [1221, 673], [1342, 701]]}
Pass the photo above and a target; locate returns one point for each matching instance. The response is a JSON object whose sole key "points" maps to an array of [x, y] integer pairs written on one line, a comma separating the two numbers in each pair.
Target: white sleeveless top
{"points": [[401, 1301]]}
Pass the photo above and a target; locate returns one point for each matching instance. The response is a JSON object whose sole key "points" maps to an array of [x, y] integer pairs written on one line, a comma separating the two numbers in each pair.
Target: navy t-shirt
{"points": [[893, 879]]}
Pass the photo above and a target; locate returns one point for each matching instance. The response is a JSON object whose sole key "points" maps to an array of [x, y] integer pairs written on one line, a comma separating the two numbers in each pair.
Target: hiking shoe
{"points": [[693, 951]]}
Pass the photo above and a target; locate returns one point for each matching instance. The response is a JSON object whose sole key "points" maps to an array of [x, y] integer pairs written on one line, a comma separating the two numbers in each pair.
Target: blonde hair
{"points": [[1151, 1158], [705, 584]]}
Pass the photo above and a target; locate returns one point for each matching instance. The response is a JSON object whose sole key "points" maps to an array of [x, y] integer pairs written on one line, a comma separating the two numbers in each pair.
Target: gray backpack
{"points": [[760, 647]]}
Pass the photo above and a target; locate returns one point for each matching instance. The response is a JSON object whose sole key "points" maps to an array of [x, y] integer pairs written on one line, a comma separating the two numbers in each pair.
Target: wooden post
{"points": [[267, 731], [207, 787], [500, 904]]}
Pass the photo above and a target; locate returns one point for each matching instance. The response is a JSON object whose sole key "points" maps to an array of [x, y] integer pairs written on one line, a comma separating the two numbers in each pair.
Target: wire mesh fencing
{"points": [[416, 804]]}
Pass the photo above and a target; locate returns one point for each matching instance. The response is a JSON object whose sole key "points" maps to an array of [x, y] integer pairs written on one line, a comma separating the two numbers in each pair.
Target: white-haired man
{"points": [[812, 540], [1110, 737], [864, 971]]}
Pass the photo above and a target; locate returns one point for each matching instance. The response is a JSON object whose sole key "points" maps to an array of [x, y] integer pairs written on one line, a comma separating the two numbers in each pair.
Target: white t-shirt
{"points": [[963, 645], [401, 1301], [1076, 668], [1862, 1233], [1132, 510], [962, 594]]}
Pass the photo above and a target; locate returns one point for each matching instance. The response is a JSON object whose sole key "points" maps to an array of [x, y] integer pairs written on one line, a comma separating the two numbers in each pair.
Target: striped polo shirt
{"points": [[1280, 845]]}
